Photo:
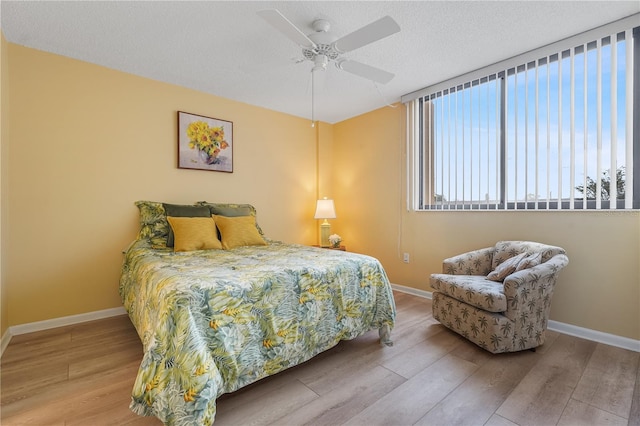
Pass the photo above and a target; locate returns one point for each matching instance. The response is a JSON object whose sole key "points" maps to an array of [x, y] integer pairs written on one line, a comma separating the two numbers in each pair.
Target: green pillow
{"points": [[231, 210], [179, 210], [228, 211]]}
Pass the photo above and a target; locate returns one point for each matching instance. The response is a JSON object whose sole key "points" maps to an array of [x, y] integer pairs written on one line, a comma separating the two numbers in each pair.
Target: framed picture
{"points": [[204, 143]]}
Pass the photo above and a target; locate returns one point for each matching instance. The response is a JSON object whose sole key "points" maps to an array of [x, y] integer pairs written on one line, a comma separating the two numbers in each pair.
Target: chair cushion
{"points": [[474, 290]]}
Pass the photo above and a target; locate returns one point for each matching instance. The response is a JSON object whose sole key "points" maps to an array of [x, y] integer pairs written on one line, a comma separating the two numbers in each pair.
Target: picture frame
{"points": [[204, 143]]}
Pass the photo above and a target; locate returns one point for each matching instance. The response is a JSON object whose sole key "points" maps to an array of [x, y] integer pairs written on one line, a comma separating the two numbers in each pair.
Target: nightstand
{"points": [[342, 248]]}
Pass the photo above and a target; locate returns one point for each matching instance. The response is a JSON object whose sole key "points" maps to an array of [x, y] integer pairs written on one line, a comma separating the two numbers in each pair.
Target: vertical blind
{"points": [[556, 132]]}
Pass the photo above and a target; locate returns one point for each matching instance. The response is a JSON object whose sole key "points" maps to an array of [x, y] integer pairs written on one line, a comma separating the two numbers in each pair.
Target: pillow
{"points": [[530, 261], [153, 223], [194, 233], [238, 231], [178, 210], [231, 210], [506, 268]]}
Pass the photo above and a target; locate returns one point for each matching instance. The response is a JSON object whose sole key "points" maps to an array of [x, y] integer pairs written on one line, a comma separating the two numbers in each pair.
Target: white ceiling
{"points": [[225, 49]]}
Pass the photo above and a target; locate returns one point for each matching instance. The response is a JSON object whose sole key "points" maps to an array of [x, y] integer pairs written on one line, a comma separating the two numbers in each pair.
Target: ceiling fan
{"points": [[321, 47]]}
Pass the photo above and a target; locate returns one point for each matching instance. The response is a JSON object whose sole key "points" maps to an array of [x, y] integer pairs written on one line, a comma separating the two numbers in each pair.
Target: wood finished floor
{"points": [[83, 375]]}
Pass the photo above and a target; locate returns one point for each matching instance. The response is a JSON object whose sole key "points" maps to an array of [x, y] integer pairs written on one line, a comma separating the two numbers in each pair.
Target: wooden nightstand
{"points": [[342, 248]]}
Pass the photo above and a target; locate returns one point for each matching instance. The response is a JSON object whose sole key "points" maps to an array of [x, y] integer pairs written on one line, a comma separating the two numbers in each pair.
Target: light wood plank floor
{"points": [[83, 375]]}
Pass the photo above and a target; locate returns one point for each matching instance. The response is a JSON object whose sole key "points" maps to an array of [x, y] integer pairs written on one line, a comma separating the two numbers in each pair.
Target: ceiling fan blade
{"points": [[365, 71], [282, 24], [375, 31]]}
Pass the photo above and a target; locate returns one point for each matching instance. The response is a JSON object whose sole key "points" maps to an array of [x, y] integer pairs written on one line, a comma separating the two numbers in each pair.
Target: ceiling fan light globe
{"points": [[320, 62]]}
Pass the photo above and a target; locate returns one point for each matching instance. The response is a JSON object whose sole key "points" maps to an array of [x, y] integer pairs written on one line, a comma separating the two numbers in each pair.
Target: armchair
{"points": [[499, 316]]}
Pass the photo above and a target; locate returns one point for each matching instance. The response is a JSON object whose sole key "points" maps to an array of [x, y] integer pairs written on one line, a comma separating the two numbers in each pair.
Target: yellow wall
{"points": [[324, 158], [4, 138], [88, 141], [599, 290]]}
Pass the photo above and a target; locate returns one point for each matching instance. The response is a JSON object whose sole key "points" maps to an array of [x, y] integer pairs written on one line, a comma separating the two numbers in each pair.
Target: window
{"points": [[546, 130]]}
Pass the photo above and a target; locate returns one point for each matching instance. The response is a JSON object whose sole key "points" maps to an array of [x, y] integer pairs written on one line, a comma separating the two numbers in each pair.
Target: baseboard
{"points": [[6, 338], [411, 290], [63, 321], [594, 335], [560, 327]]}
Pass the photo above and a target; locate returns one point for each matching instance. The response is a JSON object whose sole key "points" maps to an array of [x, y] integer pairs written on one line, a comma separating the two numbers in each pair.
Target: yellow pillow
{"points": [[238, 231], [194, 233]]}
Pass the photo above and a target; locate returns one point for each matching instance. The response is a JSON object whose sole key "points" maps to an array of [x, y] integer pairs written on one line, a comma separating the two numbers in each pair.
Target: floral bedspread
{"points": [[213, 321]]}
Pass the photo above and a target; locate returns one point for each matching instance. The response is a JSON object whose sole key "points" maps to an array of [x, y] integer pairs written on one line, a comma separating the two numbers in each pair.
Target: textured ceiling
{"points": [[225, 49]]}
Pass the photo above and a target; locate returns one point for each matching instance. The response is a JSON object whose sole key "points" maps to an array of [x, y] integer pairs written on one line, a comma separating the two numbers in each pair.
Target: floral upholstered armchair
{"points": [[499, 297]]}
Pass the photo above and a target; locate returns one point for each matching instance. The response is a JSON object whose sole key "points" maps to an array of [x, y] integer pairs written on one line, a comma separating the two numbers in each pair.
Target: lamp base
{"points": [[325, 231]]}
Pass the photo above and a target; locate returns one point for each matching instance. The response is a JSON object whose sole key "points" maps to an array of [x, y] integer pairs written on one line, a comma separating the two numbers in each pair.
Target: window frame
{"points": [[417, 170]]}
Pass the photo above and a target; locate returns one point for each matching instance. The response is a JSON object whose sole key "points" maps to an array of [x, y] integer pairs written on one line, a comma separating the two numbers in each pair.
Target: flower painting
{"points": [[204, 143]]}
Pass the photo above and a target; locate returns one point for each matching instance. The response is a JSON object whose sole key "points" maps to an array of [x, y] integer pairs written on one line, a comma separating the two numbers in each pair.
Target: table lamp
{"points": [[325, 210]]}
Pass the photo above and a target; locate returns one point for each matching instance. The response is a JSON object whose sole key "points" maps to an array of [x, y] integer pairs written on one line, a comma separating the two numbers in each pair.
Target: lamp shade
{"points": [[325, 209]]}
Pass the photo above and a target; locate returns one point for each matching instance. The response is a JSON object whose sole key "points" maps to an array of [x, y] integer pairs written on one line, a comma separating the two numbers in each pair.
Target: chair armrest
{"points": [[477, 262], [532, 288]]}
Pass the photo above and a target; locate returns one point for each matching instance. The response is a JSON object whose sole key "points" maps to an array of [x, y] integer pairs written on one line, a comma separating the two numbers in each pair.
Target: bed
{"points": [[213, 321]]}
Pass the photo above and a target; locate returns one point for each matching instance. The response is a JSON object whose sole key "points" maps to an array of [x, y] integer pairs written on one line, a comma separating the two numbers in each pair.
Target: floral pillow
{"points": [[153, 223]]}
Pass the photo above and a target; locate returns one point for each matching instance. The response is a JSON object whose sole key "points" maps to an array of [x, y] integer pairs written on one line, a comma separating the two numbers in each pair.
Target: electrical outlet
{"points": [[405, 258]]}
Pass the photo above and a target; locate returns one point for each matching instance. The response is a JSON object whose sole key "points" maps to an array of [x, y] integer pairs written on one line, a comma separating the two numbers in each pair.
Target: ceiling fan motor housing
{"points": [[322, 49], [323, 40]]}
